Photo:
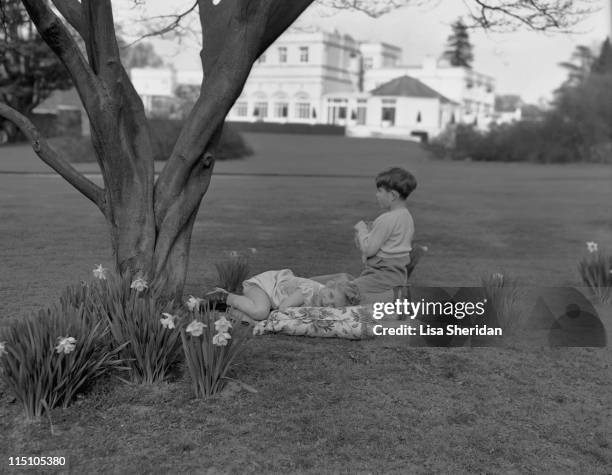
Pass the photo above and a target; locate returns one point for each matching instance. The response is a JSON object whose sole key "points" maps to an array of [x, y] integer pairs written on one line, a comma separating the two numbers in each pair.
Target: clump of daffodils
{"points": [[596, 272], [210, 342]]}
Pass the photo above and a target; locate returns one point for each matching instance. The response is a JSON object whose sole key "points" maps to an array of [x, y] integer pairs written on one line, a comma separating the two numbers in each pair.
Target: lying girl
{"points": [[279, 290]]}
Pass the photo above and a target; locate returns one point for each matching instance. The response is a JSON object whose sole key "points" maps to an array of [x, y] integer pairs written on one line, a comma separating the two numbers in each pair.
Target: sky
{"points": [[522, 62]]}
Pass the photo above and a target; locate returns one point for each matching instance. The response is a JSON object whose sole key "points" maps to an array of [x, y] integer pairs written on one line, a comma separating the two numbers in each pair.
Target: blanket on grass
{"points": [[353, 323]]}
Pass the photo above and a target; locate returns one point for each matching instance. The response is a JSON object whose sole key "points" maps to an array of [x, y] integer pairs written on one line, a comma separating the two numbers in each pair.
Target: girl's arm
{"points": [[296, 299]]}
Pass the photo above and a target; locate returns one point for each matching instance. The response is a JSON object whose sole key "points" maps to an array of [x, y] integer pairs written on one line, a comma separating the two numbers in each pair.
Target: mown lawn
{"points": [[330, 405]]}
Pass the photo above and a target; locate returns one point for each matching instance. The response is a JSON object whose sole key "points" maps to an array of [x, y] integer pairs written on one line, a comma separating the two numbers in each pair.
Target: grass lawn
{"points": [[331, 405]]}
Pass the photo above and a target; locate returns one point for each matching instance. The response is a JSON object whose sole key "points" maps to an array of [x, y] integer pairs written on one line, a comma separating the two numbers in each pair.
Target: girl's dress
{"points": [[280, 284]]}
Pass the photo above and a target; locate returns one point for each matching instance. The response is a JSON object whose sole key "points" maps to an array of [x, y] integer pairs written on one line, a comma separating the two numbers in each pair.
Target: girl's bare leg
{"points": [[254, 303]]}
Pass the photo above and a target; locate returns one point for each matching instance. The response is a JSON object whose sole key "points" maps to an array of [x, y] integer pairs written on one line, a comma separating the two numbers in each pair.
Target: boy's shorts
{"points": [[380, 275]]}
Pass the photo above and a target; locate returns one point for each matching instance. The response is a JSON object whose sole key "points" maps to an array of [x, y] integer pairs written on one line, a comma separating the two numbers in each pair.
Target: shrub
{"points": [[503, 294], [164, 133], [211, 341], [548, 141], [46, 359], [596, 273]]}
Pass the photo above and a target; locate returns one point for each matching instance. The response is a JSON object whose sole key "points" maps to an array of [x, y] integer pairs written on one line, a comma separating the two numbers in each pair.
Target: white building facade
{"points": [[289, 81], [319, 77]]}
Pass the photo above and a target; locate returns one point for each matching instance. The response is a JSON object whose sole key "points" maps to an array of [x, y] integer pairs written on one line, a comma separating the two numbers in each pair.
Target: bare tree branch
{"points": [[168, 23], [51, 157], [72, 11], [57, 36], [504, 15], [101, 40], [234, 35]]}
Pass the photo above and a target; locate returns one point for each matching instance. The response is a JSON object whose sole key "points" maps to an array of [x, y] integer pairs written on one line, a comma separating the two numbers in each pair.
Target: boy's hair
{"points": [[348, 288], [397, 179]]}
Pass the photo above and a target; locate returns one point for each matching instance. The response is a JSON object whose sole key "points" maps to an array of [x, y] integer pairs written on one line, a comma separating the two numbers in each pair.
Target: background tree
{"points": [[139, 55], [603, 63], [459, 50], [151, 221], [29, 70], [579, 66]]}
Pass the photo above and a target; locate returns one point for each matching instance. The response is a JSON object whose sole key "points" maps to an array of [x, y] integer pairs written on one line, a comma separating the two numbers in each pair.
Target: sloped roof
{"points": [[58, 99], [406, 86]]}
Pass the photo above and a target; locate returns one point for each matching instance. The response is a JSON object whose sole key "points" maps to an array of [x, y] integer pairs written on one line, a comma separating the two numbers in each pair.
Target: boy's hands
{"points": [[361, 227]]}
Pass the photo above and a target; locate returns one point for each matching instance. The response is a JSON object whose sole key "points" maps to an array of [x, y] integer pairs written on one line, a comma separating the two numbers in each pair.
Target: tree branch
{"points": [[100, 40], [72, 11], [234, 35], [173, 23], [57, 36], [51, 157]]}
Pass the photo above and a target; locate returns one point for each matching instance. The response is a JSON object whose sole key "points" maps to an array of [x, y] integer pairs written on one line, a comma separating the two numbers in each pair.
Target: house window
{"points": [[303, 54], [418, 118], [388, 111], [281, 109], [241, 108], [261, 110], [262, 58], [302, 110], [282, 54]]}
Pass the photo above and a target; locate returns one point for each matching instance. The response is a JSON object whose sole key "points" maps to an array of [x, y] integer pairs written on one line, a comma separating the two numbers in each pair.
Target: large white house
{"points": [[313, 76]]}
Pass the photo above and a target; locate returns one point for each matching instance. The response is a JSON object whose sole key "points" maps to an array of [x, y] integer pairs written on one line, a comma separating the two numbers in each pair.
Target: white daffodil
{"points": [[3, 349], [193, 303], [498, 276], [195, 328], [253, 250], [100, 272], [221, 339], [591, 246], [65, 345], [168, 322], [233, 254], [222, 325], [139, 284]]}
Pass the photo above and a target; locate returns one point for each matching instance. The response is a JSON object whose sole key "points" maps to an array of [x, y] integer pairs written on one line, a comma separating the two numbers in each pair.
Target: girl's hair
{"points": [[397, 179], [348, 288]]}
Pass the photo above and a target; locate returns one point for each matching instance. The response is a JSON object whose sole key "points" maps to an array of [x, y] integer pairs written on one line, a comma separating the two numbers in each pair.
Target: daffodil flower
{"points": [[222, 325], [3, 349], [168, 322], [193, 303], [139, 284], [100, 272], [221, 339], [195, 328], [65, 345], [498, 276], [233, 254], [591, 246], [253, 250]]}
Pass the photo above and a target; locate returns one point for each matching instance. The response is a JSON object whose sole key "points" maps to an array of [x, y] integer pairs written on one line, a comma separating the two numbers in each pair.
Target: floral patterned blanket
{"points": [[353, 323]]}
